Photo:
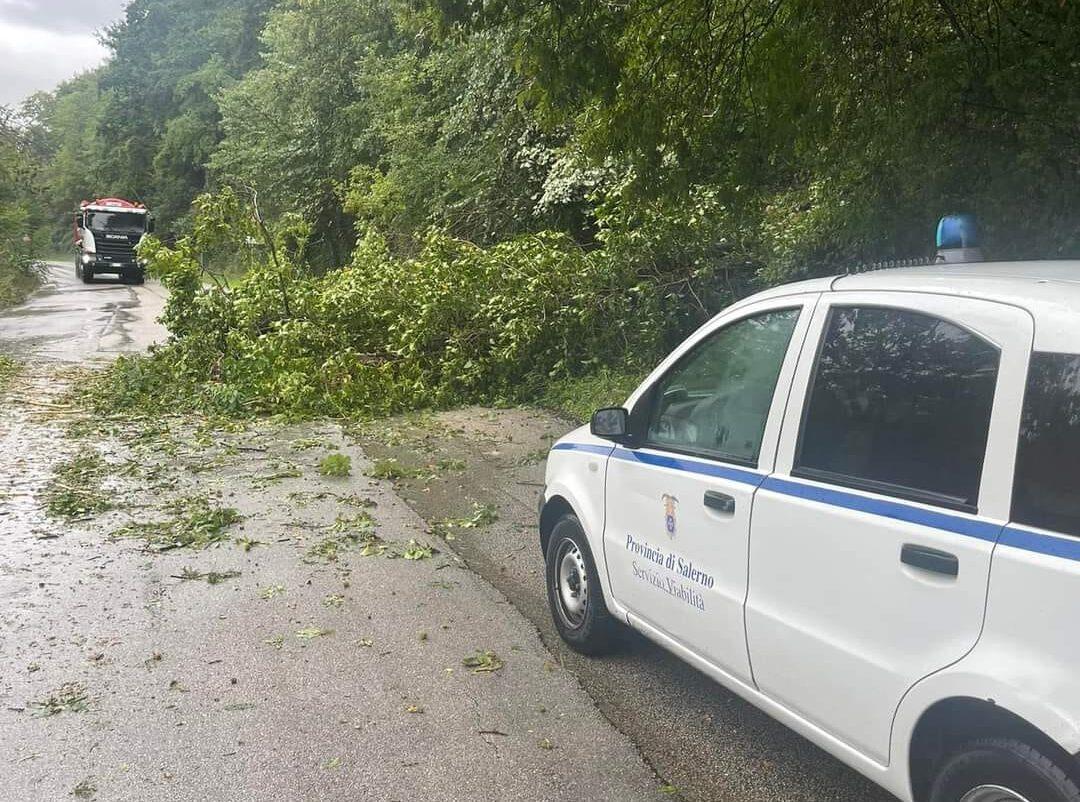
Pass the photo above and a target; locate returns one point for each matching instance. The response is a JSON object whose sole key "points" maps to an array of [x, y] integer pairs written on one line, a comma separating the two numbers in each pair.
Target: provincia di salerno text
{"points": [[669, 571]]}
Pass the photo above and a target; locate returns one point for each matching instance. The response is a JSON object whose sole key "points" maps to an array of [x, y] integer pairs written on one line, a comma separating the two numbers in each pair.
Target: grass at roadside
{"points": [[16, 283], [578, 398], [9, 368]]}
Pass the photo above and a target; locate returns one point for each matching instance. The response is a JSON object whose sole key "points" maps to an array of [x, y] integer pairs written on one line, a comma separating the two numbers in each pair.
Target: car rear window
{"points": [[900, 405], [1047, 487]]}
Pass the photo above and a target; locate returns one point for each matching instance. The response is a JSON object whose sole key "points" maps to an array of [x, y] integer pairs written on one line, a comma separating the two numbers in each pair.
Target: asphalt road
{"points": [[705, 740], [305, 669], [69, 321]]}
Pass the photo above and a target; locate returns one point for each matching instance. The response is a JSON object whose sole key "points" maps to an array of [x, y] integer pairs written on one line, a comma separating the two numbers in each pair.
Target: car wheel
{"points": [[574, 594], [87, 275], [1002, 770]]}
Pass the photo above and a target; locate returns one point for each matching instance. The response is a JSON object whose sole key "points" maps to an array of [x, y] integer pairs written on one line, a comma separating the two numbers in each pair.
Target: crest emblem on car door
{"points": [[670, 505]]}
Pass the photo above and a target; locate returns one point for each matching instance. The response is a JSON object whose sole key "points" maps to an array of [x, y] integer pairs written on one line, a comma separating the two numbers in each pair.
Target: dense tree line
{"points": [[703, 147], [20, 163], [820, 132]]}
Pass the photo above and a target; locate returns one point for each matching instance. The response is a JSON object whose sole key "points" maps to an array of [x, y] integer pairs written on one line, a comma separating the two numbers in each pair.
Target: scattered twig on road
{"points": [[512, 552]]}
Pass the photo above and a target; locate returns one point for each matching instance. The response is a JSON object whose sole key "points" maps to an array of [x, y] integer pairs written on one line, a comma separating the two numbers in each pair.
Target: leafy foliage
{"points": [[335, 465], [74, 491], [195, 522], [9, 369], [144, 124], [833, 131], [453, 324], [442, 201], [19, 239], [483, 662]]}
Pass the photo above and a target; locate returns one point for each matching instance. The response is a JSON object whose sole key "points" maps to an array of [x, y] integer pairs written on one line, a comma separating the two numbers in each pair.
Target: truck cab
{"points": [[107, 232]]}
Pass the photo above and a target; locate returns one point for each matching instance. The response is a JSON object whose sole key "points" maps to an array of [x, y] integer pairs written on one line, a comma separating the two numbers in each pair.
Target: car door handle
{"points": [[928, 559], [721, 502]]}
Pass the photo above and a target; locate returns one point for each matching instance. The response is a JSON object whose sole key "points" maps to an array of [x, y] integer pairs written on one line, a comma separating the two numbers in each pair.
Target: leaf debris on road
{"points": [[70, 697], [483, 662]]}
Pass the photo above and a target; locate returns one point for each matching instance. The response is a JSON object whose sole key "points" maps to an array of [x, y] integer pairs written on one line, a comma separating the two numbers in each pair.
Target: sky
{"points": [[44, 42]]}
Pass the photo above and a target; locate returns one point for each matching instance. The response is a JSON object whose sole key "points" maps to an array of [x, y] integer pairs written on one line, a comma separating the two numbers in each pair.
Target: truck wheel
{"points": [[1002, 770], [87, 274], [134, 277], [574, 594]]}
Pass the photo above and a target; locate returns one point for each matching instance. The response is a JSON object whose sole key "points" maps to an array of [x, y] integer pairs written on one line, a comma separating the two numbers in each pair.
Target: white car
{"points": [[855, 501]]}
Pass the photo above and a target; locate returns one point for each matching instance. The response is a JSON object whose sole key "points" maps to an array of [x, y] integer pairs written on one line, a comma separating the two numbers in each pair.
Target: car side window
{"points": [[716, 400], [1047, 485], [900, 404]]}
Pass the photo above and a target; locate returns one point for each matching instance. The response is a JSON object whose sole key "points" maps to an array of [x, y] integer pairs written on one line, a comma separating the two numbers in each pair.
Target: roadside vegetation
{"points": [[9, 369], [370, 206], [75, 490], [20, 238]]}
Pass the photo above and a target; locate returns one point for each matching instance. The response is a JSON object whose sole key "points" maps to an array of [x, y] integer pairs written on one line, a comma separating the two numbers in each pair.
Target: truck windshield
{"points": [[116, 222]]}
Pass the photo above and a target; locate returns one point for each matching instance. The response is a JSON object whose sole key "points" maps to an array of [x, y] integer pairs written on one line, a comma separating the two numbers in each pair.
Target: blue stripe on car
{"points": [[1012, 536], [690, 466], [1027, 540], [972, 527], [587, 448], [665, 461]]}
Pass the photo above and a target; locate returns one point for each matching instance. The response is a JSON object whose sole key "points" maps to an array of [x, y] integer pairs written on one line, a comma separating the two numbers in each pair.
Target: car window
{"points": [[1047, 491], [900, 404], [716, 400]]}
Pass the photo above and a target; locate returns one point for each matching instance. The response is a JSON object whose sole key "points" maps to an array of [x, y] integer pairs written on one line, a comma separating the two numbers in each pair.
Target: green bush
{"points": [[578, 397], [455, 324], [19, 272], [336, 465]]}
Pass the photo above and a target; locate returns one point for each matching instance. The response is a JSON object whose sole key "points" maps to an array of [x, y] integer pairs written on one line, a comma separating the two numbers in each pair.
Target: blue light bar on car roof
{"points": [[958, 239], [957, 231]]}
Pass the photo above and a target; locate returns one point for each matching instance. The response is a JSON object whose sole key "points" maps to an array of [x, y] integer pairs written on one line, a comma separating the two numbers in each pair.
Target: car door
{"points": [[678, 506], [871, 543]]}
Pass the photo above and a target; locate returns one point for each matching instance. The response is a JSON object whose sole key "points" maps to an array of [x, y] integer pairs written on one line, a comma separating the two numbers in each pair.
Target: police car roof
{"points": [[1048, 290]]}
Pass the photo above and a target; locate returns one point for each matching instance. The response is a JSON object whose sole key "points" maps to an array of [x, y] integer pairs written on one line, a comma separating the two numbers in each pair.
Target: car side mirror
{"points": [[611, 423]]}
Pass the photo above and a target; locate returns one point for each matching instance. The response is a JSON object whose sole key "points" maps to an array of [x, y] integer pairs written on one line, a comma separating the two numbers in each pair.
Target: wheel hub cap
{"points": [[992, 793], [573, 585]]}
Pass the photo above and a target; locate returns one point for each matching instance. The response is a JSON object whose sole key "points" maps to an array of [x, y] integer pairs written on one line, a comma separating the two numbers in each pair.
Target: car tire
{"points": [[574, 593], [87, 275], [1002, 770]]}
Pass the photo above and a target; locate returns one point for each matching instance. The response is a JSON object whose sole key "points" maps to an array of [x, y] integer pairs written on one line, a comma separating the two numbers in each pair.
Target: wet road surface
{"points": [[705, 740], [69, 321], [292, 659]]}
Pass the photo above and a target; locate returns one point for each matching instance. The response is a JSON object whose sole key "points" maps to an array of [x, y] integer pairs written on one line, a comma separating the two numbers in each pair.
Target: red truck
{"points": [[107, 231]]}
